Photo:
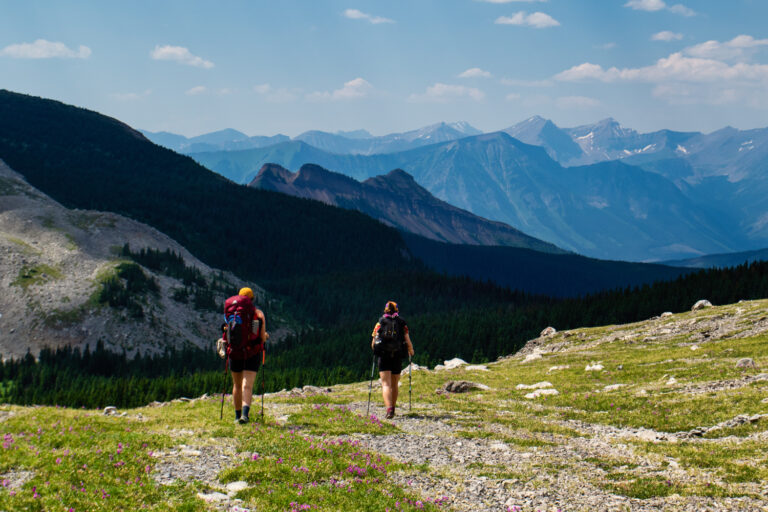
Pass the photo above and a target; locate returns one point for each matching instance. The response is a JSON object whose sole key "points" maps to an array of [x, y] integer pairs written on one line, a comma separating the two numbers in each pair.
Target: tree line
{"points": [[326, 355]]}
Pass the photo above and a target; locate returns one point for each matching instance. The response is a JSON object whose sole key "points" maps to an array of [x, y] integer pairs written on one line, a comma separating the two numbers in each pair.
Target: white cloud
{"points": [[475, 73], [666, 36], [42, 49], [181, 55], [354, 89], [535, 19], [658, 5], [739, 48], [355, 14], [646, 5], [683, 79], [527, 83], [606, 46], [200, 89], [130, 96], [579, 102], [443, 93], [681, 9], [676, 67]]}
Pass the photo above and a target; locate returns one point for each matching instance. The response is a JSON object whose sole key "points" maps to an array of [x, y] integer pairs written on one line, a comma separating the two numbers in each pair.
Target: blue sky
{"points": [[267, 67]]}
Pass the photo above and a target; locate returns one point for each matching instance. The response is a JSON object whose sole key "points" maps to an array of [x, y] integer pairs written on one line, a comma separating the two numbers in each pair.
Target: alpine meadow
{"points": [[451, 255]]}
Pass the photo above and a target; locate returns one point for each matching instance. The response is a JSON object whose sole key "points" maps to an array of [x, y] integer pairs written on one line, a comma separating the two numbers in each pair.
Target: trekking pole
{"points": [[223, 391], [410, 382], [370, 386], [263, 365]]}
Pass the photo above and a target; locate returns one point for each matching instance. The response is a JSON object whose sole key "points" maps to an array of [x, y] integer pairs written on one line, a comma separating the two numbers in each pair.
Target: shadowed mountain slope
{"points": [[395, 199]]}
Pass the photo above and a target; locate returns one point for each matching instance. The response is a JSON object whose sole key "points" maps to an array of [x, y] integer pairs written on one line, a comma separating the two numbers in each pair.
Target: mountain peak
{"points": [[400, 175]]}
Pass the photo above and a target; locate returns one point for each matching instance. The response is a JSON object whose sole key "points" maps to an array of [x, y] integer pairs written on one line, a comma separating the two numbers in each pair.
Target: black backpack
{"points": [[390, 339]]}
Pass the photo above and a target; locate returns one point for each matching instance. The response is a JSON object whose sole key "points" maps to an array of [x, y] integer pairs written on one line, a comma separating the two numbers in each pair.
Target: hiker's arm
{"points": [[410, 345], [374, 333], [263, 332]]}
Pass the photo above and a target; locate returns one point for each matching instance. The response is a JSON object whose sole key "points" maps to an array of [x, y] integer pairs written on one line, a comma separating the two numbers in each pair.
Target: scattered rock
{"points": [[236, 487], [15, 479], [110, 410], [613, 387], [734, 422], [652, 436], [541, 392], [702, 304], [556, 368], [595, 367], [538, 385], [532, 356], [746, 362], [454, 363], [476, 367], [549, 331], [694, 347], [309, 391], [671, 381], [666, 314], [212, 497], [461, 386], [314, 390]]}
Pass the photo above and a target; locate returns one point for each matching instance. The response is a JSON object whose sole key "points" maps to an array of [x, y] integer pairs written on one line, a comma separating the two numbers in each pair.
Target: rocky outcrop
{"points": [[53, 261]]}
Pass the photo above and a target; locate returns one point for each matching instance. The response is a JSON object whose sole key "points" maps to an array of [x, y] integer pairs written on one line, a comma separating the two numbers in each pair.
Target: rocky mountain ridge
{"points": [[395, 199], [54, 262]]}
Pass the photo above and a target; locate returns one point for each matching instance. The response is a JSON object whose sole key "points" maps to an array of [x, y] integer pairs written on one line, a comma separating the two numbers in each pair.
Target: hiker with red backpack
{"points": [[245, 336], [391, 343]]}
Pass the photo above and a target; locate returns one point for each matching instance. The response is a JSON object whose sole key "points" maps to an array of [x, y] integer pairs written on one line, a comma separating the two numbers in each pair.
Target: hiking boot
{"points": [[243, 420], [390, 413]]}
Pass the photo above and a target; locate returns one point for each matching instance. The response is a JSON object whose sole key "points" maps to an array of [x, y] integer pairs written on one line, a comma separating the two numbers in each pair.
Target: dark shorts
{"points": [[251, 364], [391, 364]]}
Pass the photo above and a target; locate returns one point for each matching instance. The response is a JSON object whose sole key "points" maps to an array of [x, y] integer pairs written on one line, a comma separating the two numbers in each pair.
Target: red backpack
{"points": [[242, 335]]}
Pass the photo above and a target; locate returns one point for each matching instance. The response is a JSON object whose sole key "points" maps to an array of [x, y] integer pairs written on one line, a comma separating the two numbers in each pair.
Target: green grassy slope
{"points": [[652, 429]]}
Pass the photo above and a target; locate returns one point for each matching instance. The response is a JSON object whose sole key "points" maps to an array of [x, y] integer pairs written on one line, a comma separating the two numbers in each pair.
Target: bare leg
{"points": [[237, 390], [386, 385], [395, 379], [249, 378]]}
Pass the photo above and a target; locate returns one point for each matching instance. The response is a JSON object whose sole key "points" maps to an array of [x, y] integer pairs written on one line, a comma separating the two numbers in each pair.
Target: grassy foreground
{"points": [[77, 460], [663, 377]]}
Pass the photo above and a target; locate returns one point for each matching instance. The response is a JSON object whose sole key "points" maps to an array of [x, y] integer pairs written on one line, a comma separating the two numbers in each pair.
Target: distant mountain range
{"points": [[357, 142], [610, 210], [396, 199], [226, 140]]}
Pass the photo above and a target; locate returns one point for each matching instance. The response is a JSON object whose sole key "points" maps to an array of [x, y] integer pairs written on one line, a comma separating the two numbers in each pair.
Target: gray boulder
{"points": [[746, 362], [549, 331], [702, 304], [461, 386]]}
